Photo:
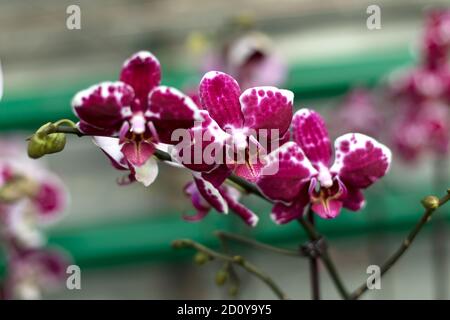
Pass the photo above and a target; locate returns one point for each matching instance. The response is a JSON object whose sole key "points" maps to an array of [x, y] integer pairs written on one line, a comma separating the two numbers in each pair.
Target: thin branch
{"points": [[405, 244], [236, 260], [314, 265], [256, 244], [324, 255]]}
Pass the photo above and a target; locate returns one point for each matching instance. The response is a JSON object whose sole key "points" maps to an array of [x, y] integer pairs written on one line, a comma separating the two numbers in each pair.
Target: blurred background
{"points": [[120, 236]]}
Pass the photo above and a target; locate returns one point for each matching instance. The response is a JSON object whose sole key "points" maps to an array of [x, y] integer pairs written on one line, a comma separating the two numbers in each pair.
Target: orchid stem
{"points": [[314, 265], [235, 260], [439, 237], [326, 259], [223, 235], [390, 262]]}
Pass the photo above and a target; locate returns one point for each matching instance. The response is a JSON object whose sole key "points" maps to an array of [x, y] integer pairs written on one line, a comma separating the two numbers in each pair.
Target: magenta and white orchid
{"points": [[225, 198], [306, 176], [247, 123], [138, 109], [423, 95], [33, 272], [251, 59]]}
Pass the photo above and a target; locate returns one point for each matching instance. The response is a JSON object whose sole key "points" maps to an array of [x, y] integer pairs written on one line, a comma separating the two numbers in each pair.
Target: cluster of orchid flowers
{"points": [[252, 134], [422, 95], [31, 198]]}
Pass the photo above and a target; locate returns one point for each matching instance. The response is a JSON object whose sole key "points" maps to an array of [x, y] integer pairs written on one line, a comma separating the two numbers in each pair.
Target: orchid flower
{"points": [[33, 272], [250, 59], [138, 109], [423, 95], [436, 42], [253, 120], [424, 127], [225, 197], [43, 201], [359, 114], [305, 174]]}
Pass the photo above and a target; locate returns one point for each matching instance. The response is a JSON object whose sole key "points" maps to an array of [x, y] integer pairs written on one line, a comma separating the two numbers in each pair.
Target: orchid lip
{"points": [[323, 193]]}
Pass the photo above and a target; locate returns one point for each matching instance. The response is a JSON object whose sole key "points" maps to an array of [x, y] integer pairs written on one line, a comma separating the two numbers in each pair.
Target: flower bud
{"points": [[201, 258], [233, 290], [221, 277], [42, 144], [430, 202]]}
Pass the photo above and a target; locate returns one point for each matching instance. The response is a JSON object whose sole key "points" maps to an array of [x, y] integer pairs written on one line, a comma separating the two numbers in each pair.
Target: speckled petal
{"points": [[282, 213], [99, 107], [287, 171], [219, 94], [267, 108], [360, 160], [142, 72], [311, 134], [170, 109], [211, 195]]}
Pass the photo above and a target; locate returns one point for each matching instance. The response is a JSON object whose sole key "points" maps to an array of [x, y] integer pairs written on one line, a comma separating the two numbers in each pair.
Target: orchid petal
{"points": [[137, 152], [360, 160], [354, 200], [146, 173], [328, 208], [198, 202], [219, 94], [142, 72], [169, 110], [311, 134], [282, 213], [51, 199], [267, 108], [111, 147], [248, 216], [211, 195], [100, 107], [287, 171]]}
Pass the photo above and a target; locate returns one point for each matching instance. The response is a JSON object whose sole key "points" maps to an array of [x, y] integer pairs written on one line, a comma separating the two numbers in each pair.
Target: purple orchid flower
{"points": [[359, 114], [225, 198], [436, 42], [250, 59], [44, 204], [32, 272], [305, 174], [423, 95], [138, 109], [247, 123], [420, 128]]}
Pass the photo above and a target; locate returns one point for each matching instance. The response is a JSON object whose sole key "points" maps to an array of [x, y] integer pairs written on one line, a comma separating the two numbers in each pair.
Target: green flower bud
{"points": [[430, 202], [42, 143], [233, 290], [201, 258], [221, 277]]}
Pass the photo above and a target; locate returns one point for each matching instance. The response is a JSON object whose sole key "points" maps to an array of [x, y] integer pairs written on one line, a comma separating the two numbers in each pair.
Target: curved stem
{"points": [[390, 262], [236, 260], [324, 255], [253, 243]]}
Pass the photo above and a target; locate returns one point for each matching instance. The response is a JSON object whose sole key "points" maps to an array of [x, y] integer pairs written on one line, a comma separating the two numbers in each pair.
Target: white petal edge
{"points": [[357, 141], [147, 173]]}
